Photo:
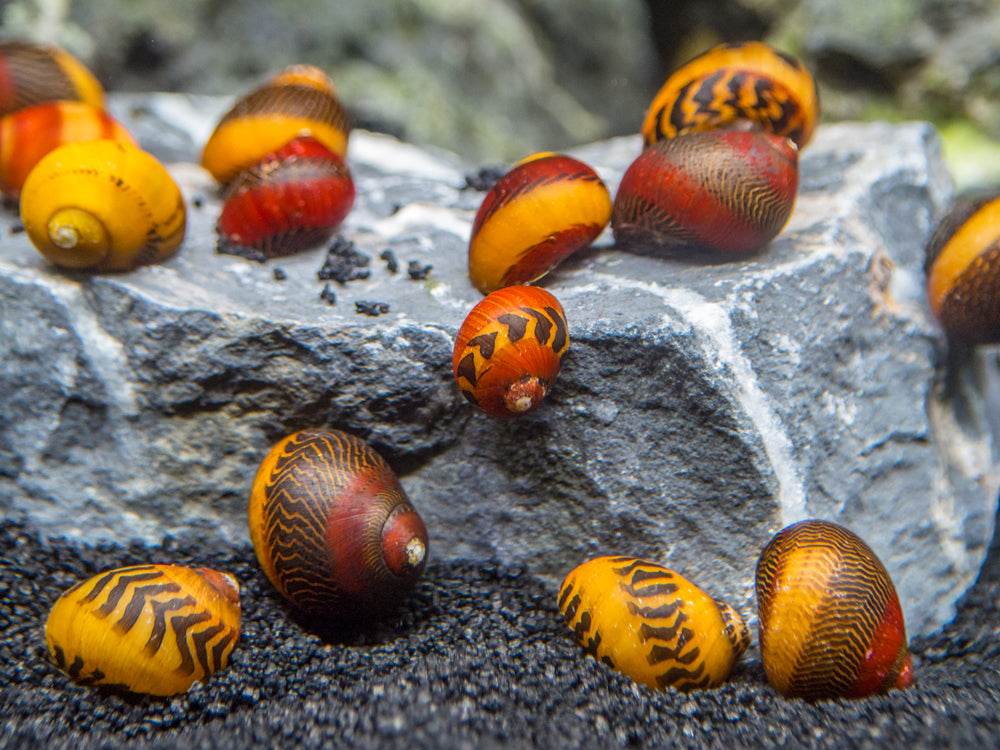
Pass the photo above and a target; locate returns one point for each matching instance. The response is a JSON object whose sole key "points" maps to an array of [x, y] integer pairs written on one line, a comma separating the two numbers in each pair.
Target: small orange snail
{"points": [[546, 208], [509, 350], [292, 199], [963, 270], [745, 81], [152, 629], [332, 527], [651, 624], [32, 73], [102, 205], [298, 101], [30, 133], [830, 621], [729, 191]]}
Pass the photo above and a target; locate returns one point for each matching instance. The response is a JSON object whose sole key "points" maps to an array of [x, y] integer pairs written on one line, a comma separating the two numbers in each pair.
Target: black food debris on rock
{"points": [[365, 307], [343, 262]]}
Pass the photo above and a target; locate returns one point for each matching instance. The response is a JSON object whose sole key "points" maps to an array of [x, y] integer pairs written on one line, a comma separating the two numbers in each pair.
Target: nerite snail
{"points": [[152, 629], [651, 624], [32, 73], [830, 621], [332, 528]]}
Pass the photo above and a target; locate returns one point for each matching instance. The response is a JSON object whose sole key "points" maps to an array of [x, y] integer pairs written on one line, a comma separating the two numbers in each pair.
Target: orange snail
{"points": [[509, 350], [32, 73], [830, 621], [152, 629], [733, 83], [298, 101], [332, 528], [544, 209], [651, 624]]}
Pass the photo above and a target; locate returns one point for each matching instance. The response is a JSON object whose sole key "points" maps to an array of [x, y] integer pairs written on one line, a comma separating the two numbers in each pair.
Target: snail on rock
{"points": [[152, 629], [509, 350], [332, 527], [830, 621], [651, 624], [33, 73]]}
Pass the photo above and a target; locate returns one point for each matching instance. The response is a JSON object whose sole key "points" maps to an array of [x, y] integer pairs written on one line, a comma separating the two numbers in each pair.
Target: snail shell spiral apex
{"points": [[33, 73]]}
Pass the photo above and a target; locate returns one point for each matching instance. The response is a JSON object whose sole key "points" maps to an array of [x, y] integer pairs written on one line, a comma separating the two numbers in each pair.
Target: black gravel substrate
{"points": [[478, 659]]}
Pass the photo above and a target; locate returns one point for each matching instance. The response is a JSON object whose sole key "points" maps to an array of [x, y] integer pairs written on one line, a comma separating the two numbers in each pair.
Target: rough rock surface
{"points": [[699, 410]]}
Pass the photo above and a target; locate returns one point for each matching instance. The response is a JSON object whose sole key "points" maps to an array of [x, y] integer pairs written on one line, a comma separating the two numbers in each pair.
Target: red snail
{"points": [[963, 270], [152, 629], [651, 624], [332, 527], [298, 101], [830, 621], [292, 199], [509, 350], [32, 73], [728, 191], [544, 209], [745, 81]]}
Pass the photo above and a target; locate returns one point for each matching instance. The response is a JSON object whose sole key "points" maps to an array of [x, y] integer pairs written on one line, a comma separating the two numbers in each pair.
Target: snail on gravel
{"points": [[32, 73]]}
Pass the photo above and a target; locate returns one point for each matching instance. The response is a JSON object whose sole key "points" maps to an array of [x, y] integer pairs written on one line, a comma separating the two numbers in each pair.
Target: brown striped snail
{"points": [[543, 210], [725, 191], [830, 621], [332, 527], [32, 73], [152, 629], [292, 199], [509, 350], [730, 83], [102, 205], [30, 133], [298, 101], [651, 624]]}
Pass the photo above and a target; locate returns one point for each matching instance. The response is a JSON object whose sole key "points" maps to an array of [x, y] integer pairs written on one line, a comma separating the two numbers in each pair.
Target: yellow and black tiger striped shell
{"points": [[33, 73], [651, 624], [152, 629], [830, 621]]}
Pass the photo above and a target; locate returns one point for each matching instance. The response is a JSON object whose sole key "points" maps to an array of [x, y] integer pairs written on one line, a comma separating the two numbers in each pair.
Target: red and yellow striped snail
{"points": [[298, 101], [332, 527], [743, 81], [33, 73], [830, 621], [727, 191], [152, 629], [509, 350], [543, 210], [103, 206], [651, 624], [30, 133], [291, 200]]}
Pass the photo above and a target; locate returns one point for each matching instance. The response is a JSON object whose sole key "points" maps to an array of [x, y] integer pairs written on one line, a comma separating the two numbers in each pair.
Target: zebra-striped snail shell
{"points": [[509, 350], [32, 73], [292, 199], [30, 133], [298, 101], [332, 527], [152, 629], [541, 211], [830, 621], [727, 192], [744, 81], [102, 206], [649, 623]]}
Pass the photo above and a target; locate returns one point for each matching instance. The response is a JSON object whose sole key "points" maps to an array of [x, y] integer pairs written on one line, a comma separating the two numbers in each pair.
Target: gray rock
{"points": [[700, 408]]}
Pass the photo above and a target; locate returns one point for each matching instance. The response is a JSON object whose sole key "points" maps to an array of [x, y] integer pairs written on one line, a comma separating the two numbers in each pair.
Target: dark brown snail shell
{"points": [[33, 73]]}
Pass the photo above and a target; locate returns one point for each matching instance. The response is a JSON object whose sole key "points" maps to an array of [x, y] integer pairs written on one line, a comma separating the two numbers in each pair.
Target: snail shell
{"points": [[509, 350], [830, 621], [745, 81], [148, 628], [292, 199], [102, 205], [544, 209], [730, 191], [332, 527], [651, 624], [30, 133], [298, 101], [32, 73]]}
